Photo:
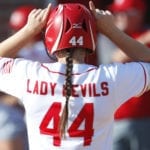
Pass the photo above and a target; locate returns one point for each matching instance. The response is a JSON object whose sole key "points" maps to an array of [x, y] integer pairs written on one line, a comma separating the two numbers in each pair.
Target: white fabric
{"points": [[103, 89], [106, 49]]}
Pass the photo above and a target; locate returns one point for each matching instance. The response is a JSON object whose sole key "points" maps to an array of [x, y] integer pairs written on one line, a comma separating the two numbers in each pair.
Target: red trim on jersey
{"points": [[145, 77], [64, 73], [136, 107], [7, 65]]}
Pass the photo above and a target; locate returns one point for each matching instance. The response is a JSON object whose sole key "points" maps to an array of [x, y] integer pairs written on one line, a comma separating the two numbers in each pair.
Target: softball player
{"points": [[70, 105]]}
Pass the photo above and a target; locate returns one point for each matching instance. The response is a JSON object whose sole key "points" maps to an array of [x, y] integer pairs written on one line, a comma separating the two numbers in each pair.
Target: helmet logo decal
{"points": [[77, 26], [76, 41]]}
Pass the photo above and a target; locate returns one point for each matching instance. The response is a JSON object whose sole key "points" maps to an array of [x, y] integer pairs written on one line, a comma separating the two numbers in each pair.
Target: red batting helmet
{"points": [[19, 16], [70, 25]]}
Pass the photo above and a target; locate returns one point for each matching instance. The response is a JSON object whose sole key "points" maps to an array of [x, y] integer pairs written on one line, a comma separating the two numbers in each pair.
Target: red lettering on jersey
{"points": [[7, 66], [52, 86], [52, 114], [74, 92], [95, 94], [28, 83], [36, 87], [43, 88], [90, 90], [40, 87], [104, 87], [85, 116], [83, 90]]}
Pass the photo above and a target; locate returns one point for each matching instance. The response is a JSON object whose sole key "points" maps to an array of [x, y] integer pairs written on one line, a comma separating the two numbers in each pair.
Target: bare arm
{"points": [[120, 56], [134, 49], [36, 21]]}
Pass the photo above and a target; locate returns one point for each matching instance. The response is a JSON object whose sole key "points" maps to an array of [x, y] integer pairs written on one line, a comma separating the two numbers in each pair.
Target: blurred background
{"points": [[7, 6]]}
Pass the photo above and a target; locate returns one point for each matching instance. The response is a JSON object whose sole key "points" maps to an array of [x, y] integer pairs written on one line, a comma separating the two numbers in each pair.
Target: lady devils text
{"points": [[84, 90]]}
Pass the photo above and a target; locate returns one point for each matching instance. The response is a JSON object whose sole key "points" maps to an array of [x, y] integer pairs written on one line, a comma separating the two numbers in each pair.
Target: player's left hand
{"points": [[37, 19], [104, 19]]}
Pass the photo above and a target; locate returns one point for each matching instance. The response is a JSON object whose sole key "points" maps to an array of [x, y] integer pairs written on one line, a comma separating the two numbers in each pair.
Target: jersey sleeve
{"points": [[130, 80], [13, 74]]}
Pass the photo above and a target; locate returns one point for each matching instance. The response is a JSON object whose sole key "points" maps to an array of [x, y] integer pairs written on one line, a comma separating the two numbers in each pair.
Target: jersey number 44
{"points": [[85, 116]]}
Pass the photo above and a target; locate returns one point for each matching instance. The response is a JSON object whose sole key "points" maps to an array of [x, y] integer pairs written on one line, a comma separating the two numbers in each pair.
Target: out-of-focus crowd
{"points": [[132, 119]]}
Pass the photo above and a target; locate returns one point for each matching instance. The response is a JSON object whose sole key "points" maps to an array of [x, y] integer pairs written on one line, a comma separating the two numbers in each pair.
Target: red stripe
{"points": [[64, 73], [144, 89]]}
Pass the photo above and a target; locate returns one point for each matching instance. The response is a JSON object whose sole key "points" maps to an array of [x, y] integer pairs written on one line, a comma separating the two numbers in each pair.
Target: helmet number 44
{"points": [[76, 41]]}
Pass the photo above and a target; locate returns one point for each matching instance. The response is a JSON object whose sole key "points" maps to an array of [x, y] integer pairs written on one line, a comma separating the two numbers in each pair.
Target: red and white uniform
{"points": [[96, 94], [136, 107]]}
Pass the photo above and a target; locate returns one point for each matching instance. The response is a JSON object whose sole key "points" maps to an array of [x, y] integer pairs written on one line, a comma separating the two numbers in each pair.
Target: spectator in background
{"points": [[130, 17], [35, 49], [132, 119]]}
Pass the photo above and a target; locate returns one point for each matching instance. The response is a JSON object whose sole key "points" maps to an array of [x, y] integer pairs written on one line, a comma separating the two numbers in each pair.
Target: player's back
{"points": [[89, 95], [96, 93]]}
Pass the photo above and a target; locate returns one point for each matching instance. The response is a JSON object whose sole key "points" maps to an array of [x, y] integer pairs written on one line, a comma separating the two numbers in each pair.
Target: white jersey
{"points": [[107, 48], [96, 93]]}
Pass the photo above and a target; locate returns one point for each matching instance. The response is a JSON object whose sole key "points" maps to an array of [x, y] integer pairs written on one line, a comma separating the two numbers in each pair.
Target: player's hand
{"points": [[105, 20], [37, 20]]}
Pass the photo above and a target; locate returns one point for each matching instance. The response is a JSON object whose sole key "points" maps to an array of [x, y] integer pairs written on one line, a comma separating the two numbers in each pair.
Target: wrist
{"points": [[29, 31], [110, 31]]}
